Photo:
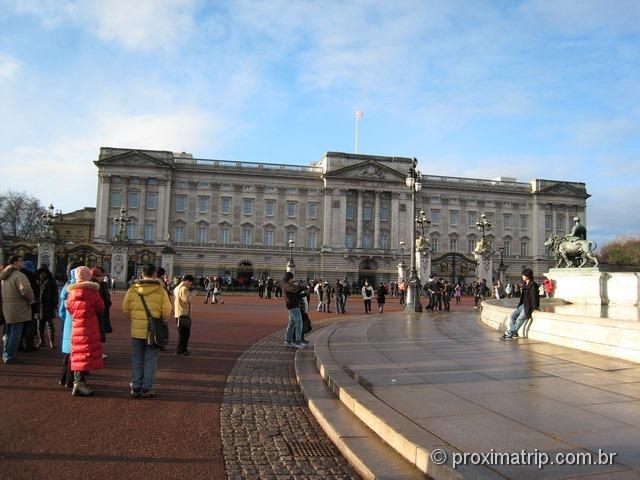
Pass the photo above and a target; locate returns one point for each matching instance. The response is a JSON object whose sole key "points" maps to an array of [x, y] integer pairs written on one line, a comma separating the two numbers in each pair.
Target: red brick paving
{"points": [[47, 433]]}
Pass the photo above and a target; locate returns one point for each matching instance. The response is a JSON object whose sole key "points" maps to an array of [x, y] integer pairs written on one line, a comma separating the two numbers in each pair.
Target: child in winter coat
{"points": [[85, 305]]}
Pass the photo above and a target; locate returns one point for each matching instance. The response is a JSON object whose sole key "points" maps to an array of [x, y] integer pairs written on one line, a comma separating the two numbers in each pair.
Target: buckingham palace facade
{"points": [[347, 214]]}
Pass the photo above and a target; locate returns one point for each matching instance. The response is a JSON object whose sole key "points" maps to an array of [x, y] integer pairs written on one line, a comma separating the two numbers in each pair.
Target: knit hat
{"points": [[96, 272], [29, 266], [83, 274]]}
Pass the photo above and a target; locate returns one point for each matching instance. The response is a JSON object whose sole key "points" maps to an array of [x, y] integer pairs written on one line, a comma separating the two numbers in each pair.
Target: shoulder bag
{"points": [[157, 330]]}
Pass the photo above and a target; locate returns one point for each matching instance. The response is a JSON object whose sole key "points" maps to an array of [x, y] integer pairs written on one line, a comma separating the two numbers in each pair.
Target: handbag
{"points": [[184, 321], [157, 329]]}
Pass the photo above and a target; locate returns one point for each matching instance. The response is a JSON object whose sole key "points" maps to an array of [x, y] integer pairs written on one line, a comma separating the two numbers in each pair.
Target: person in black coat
{"points": [[97, 276], [529, 301], [381, 296], [48, 305], [30, 328]]}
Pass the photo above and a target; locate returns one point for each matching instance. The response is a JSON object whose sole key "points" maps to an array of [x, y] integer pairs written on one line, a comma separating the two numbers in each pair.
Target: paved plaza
{"points": [[235, 409]]}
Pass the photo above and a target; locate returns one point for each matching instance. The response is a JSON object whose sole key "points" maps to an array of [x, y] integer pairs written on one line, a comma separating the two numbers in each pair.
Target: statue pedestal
{"points": [[47, 254], [119, 263], [423, 265], [485, 267], [595, 286]]}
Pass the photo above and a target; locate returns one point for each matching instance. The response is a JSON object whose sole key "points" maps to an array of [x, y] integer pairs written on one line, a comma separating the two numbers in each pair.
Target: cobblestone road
{"points": [[267, 430]]}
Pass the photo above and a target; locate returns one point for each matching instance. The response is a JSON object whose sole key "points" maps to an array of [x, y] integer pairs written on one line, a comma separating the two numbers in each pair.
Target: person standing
{"points": [[548, 287], [182, 312], [326, 297], [367, 294], [294, 294], [339, 297], [48, 305], [85, 305], [529, 301], [458, 293], [346, 293], [381, 295], [144, 358], [402, 288], [97, 276], [30, 328], [17, 298], [66, 378]]}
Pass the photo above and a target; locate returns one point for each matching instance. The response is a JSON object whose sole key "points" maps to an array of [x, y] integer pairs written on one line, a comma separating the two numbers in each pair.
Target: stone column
{"points": [[168, 259], [376, 223], [326, 233], [119, 263], [423, 265], [341, 231], [360, 221], [165, 227], [101, 228], [484, 270], [47, 254], [395, 214]]}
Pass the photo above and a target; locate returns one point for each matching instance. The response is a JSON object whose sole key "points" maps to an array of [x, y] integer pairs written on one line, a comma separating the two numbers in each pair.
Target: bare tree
{"points": [[21, 216]]}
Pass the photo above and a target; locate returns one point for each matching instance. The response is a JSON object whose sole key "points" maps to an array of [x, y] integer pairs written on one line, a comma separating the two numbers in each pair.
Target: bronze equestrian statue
{"points": [[573, 249]]}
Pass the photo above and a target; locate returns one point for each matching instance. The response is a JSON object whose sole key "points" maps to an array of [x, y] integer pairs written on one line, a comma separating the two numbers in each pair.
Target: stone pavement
{"points": [[266, 427], [444, 381]]}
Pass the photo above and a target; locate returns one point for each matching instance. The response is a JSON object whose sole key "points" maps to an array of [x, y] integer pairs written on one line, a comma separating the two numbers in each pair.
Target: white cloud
{"points": [[8, 66], [141, 25], [62, 172]]}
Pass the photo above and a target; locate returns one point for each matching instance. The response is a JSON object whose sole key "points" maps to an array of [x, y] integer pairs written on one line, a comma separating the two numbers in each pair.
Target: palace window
{"points": [[507, 247], [524, 222], [268, 238], [506, 221], [149, 231], [453, 218], [312, 211], [270, 208], [435, 216], [472, 218], [247, 237], [435, 247], [311, 239], [115, 200], [132, 232], [247, 206], [225, 205], [471, 245], [366, 213], [292, 209], [384, 240], [181, 203], [548, 223], [224, 236], [351, 212], [133, 200], [560, 224], [384, 214], [366, 240], [203, 204], [179, 234], [348, 240], [202, 233], [524, 248], [453, 244], [152, 200]]}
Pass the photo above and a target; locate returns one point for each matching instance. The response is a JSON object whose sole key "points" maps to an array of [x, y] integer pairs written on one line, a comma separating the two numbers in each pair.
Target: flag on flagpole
{"points": [[359, 115]]}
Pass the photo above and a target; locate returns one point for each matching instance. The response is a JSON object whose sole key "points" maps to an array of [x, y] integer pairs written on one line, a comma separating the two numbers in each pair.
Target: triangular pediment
{"points": [[134, 158], [563, 189], [367, 171]]}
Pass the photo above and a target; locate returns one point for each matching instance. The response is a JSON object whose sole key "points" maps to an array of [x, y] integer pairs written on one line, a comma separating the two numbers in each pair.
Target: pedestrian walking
{"points": [[97, 276], [381, 295], [85, 305], [17, 298], [182, 312], [367, 294], [458, 293], [144, 357]]}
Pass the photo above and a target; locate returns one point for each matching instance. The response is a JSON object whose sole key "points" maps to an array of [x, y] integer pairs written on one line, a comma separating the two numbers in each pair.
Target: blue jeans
{"points": [[294, 327], [144, 361], [12, 336], [518, 317]]}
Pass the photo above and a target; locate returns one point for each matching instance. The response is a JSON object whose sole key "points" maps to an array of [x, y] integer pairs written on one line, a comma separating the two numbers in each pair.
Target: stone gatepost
{"points": [[291, 266], [168, 259], [484, 271], [423, 265], [47, 254], [119, 263], [402, 271]]}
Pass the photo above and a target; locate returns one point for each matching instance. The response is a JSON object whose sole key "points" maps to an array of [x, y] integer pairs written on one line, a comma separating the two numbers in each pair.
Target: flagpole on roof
{"points": [[359, 116]]}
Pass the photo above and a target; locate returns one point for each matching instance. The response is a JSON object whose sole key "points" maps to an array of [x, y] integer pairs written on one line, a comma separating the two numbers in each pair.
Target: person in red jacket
{"points": [[85, 305], [548, 287]]}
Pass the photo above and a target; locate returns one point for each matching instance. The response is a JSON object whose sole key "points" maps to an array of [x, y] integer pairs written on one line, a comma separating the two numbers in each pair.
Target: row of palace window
{"points": [[151, 200], [561, 224]]}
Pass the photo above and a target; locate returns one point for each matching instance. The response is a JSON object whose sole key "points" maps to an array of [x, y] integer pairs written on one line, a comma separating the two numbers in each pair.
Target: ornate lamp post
{"points": [[483, 252], [49, 218], [484, 225], [290, 265], [413, 181]]}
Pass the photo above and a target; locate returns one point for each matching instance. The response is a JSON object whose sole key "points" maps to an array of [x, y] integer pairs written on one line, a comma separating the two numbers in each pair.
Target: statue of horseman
{"points": [[573, 249]]}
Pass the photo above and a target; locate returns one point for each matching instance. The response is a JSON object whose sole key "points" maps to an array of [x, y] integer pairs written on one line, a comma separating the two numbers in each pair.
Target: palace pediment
{"points": [[133, 158], [367, 171], [563, 189]]}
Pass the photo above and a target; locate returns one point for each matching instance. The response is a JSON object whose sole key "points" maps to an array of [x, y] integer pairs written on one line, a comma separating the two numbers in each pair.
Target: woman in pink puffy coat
{"points": [[85, 305]]}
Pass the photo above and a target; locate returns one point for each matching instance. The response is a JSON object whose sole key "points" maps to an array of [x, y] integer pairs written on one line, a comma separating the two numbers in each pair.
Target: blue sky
{"points": [[530, 89]]}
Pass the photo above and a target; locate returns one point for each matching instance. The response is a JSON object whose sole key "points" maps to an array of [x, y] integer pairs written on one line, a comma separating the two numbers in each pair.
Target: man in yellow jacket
{"points": [[144, 359], [182, 307]]}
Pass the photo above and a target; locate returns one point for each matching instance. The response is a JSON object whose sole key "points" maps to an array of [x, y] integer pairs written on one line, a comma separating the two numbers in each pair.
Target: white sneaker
{"points": [[289, 344], [301, 345]]}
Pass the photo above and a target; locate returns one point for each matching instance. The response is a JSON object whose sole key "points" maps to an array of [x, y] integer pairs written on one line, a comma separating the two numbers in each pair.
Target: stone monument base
{"points": [[595, 286]]}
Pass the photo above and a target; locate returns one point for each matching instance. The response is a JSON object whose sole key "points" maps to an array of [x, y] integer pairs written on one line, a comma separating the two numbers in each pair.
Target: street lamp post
{"points": [[484, 225], [401, 266], [502, 268], [413, 181], [290, 265]]}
